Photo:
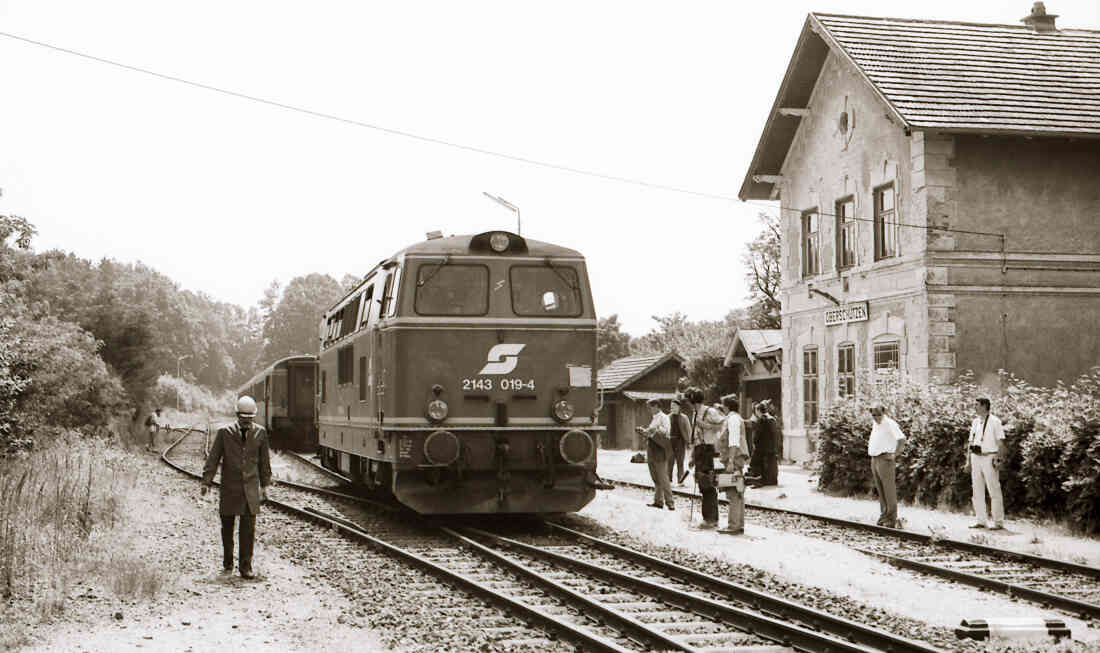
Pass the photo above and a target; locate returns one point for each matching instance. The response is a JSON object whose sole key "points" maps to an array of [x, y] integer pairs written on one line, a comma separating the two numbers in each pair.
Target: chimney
{"points": [[1040, 20]]}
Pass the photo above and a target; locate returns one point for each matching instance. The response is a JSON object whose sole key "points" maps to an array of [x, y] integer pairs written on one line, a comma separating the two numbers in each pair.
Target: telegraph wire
{"points": [[380, 128], [896, 224]]}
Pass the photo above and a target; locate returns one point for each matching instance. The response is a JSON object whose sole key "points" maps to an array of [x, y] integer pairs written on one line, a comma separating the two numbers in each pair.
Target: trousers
{"points": [[984, 475], [662, 490], [676, 460], [703, 457], [736, 515], [882, 469], [247, 539]]}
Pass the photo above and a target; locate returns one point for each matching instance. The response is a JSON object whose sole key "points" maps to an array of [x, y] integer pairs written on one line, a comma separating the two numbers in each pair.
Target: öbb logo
{"points": [[503, 358]]}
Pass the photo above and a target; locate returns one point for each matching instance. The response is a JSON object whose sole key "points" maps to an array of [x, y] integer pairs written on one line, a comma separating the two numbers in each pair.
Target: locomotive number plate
{"points": [[508, 385]]}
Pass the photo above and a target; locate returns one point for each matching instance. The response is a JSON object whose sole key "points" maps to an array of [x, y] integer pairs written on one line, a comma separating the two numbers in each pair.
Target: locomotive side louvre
{"points": [[470, 385]]}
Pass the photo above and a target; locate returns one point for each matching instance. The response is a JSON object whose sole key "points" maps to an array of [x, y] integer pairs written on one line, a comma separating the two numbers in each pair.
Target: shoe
{"points": [[732, 531], [247, 574], [227, 570], [997, 527], [707, 525], [670, 507], [977, 525], [655, 505]]}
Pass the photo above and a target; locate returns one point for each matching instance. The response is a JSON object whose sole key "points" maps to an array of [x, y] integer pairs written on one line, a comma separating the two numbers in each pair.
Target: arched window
{"points": [[886, 353]]}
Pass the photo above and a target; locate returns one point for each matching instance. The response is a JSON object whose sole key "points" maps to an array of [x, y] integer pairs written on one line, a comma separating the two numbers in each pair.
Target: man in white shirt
{"points": [[882, 446], [985, 449], [657, 452], [734, 451]]}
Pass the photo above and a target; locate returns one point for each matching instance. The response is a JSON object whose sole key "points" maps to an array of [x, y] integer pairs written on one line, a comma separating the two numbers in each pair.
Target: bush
{"points": [[1051, 466]]}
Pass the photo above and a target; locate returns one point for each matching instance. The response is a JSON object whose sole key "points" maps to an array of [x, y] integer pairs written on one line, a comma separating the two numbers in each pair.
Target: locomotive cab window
{"points": [[450, 289], [545, 291]]}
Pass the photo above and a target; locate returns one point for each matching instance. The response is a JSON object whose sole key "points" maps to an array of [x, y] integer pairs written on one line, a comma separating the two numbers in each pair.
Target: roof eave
{"points": [[646, 370], [806, 52]]}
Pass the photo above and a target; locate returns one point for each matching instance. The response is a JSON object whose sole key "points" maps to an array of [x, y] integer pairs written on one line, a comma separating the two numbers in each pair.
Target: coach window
{"points": [[846, 370], [545, 290], [389, 295], [886, 223], [368, 295], [448, 289], [349, 313], [809, 386], [324, 386]]}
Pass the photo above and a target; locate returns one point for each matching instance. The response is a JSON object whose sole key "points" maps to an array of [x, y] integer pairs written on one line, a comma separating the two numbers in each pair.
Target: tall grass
{"points": [[59, 507]]}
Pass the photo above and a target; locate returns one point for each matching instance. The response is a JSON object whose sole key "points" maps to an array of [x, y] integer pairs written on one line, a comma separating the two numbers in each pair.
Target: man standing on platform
{"points": [[242, 450], [986, 448], [883, 445], [679, 427], [658, 451]]}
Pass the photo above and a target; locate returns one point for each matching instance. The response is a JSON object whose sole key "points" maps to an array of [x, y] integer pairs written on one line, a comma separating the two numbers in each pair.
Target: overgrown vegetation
{"points": [[1051, 468]]}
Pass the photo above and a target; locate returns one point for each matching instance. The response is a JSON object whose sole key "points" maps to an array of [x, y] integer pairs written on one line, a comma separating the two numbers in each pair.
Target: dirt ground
{"points": [[201, 609]]}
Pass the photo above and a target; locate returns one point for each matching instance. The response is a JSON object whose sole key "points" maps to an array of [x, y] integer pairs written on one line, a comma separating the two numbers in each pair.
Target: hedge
{"points": [[1052, 463]]}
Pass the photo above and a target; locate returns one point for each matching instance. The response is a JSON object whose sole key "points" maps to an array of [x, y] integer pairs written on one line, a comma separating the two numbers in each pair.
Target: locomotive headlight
{"points": [[499, 242], [563, 410], [437, 410]]}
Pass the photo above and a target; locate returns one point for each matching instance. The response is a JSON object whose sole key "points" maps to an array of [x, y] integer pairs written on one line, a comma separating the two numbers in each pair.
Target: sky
{"points": [[225, 195]]}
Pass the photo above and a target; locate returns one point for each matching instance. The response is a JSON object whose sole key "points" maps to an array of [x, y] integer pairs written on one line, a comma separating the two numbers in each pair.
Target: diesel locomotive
{"points": [[284, 394], [459, 377]]}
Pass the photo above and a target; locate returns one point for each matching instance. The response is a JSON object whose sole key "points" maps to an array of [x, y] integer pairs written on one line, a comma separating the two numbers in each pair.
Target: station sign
{"points": [[847, 313]]}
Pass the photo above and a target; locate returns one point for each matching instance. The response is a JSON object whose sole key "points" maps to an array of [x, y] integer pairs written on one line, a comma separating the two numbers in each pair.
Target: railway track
{"points": [[1053, 583], [589, 592]]}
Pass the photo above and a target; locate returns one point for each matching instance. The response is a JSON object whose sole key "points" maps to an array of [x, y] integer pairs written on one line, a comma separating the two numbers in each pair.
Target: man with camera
{"points": [[657, 453], [986, 447]]}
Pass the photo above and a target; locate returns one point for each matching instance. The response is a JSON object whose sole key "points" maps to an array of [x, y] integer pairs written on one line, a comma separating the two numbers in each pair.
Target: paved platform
{"points": [[797, 490]]}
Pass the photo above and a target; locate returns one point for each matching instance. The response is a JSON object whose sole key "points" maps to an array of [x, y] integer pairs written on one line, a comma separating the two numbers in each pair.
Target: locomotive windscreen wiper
{"points": [[572, 284], [422, 282]]}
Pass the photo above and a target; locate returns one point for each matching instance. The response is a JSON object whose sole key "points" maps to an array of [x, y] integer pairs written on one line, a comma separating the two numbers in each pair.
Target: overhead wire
{"points": [[381, 128]]}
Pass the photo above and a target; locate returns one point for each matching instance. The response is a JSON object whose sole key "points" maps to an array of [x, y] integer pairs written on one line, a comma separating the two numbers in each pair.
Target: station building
{"points": [[939, 191]]}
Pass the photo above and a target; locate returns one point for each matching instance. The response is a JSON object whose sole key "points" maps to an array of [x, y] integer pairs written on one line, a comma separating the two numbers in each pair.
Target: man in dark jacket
{"points": [[242, 450], [679, 429]]}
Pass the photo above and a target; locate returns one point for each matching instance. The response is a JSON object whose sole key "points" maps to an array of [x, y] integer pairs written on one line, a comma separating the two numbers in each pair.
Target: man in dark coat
{"points": [[242, 450]]}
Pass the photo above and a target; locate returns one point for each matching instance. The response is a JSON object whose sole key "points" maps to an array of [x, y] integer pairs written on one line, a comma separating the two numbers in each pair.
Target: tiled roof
{"points": [[944, 76], [619, 372], [755, 342], [963, 76]]}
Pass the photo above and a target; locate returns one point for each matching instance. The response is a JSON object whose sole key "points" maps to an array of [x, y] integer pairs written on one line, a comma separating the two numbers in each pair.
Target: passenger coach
{"points": [[284, 394], [459, 375]]}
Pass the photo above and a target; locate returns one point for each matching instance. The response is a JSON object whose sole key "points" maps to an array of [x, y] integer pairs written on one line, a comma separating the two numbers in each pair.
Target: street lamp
{"points": [[179, 372], [508, 205]]}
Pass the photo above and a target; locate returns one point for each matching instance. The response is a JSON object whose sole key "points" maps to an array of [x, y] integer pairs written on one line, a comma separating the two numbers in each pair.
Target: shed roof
{"points": [[620, 373], [754, 343], [944, 76]]}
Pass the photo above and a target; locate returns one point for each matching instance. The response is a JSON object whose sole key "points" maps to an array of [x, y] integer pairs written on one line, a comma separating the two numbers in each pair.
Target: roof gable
{"points": [[944, 76], [620, 373], [752, 343]]}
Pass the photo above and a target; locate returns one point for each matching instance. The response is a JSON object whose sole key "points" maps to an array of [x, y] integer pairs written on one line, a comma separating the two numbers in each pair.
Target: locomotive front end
{"points": [[492, 373]]}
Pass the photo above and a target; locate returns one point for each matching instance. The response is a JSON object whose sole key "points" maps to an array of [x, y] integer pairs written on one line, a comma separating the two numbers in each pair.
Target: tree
{"points": [[762, 260], [611, 342], [291, 327], [702, 345]]}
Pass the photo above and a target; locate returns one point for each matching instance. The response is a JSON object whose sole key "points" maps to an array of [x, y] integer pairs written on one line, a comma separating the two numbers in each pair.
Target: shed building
{"points": [[626, 385]]}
